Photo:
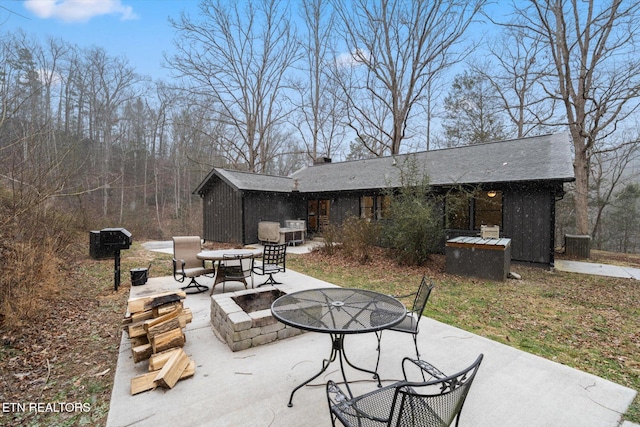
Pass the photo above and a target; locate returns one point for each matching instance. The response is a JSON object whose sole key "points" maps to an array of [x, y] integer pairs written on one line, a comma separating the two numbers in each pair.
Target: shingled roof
{"points": [[539, 158], [248, 181]]}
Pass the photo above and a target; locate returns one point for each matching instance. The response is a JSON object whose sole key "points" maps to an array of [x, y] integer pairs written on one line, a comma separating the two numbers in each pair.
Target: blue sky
{"points": [[137, 29]]}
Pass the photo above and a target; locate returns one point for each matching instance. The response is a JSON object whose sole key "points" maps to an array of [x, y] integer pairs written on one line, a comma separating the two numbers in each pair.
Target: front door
{"points": [[318, 214]]}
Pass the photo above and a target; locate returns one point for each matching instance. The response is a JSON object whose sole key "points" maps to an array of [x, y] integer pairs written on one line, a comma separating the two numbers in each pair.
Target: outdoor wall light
{"points": [[491, 194]]}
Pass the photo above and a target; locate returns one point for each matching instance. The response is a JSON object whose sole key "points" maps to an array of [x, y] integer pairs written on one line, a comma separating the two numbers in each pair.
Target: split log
{"points": [[162, 327], [166, 299], [147, 381], [142, 316], [136, 330], [173, 369], [141, 329], [158, 360], [139, 341], [162, 324], [135, 305], [186, 316], [141, 352], [167, 340], [167, 308]]}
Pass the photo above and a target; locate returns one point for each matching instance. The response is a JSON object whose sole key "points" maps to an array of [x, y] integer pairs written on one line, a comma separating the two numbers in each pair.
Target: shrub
{"points": [[330, 235], [358, 237], [35, 245], [415, 228]]}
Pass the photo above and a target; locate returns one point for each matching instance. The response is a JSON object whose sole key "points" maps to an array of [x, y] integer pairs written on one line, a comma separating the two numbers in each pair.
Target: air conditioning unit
{"points": [[490, 231]]}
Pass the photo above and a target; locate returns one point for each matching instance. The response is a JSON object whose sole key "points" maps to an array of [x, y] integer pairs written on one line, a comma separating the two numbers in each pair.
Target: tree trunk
{"points": [[581, 170]]}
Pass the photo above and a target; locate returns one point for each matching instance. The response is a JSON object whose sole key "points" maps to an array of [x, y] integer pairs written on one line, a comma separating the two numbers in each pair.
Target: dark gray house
{"points": [[516, 183]]}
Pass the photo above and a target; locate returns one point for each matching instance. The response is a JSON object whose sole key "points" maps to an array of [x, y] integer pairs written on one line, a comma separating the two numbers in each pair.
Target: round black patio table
{"points": [[338, 312]]}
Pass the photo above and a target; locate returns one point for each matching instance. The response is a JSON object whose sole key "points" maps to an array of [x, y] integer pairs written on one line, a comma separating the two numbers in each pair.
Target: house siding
{"points": [[233, 216], [276, 207], [528, 215], [222, 208]]}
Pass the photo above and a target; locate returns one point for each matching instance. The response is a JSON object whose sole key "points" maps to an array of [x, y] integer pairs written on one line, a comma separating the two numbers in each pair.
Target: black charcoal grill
{"points": [[107, 243]]}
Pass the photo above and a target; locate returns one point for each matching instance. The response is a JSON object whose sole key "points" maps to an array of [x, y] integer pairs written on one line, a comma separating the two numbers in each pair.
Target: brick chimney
{"points": [[322, 160]]}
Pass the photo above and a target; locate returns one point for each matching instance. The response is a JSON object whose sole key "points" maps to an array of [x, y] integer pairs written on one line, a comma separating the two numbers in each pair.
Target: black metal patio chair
{"points": [[412, 320], [433, 403], [274, 257]]}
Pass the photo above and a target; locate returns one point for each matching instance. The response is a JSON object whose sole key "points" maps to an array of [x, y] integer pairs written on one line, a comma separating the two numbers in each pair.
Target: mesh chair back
{"points": [[236, 266], [274, 256], [435, 403], [186, 248], [422, 296]]}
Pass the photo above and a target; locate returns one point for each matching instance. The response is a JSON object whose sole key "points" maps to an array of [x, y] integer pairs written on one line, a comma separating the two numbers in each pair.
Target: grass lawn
{"points": [[586, 322]]}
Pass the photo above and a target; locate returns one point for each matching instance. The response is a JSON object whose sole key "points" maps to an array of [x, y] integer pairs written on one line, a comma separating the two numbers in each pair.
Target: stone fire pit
{"points": [[243, 319]]}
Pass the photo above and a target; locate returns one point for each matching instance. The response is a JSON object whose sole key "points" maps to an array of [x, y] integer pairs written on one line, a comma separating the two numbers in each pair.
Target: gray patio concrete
{"points": [[252, 387]]}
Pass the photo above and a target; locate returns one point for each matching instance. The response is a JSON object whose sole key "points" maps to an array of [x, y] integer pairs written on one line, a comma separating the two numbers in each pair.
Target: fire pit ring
{"points": [[243, 319]]}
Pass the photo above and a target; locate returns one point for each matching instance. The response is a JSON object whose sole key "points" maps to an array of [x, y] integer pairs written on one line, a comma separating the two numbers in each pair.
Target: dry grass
{"points": [[28, 279], [66, 345]]}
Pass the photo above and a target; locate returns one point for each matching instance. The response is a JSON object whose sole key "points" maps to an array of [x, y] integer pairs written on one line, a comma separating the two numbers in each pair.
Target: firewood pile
{"points": [[155, 327]]}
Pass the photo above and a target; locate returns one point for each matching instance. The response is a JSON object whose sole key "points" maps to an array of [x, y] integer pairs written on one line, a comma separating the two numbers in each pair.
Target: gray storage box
{"points": [[477, 257]]}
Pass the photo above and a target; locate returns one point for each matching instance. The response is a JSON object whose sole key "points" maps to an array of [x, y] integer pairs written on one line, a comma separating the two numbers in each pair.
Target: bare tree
{"points": [[34, 165], [623, 216], [515, 68], [320, 109], [111, 82], [610, 171], [595, 72], [396, 48], [239, 57]]}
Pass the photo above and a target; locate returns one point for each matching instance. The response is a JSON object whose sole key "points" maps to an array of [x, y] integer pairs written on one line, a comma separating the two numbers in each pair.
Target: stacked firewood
{"points": [[155, 327]]}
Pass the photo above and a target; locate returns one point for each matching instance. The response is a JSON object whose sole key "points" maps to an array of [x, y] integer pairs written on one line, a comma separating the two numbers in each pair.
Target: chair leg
{"points": [[333, 420], [270, 281], [195, 285], [379, 337], [415, 343]]}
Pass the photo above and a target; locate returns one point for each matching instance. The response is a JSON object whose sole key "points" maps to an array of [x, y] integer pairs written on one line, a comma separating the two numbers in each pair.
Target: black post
{"points": [[116, 271]]}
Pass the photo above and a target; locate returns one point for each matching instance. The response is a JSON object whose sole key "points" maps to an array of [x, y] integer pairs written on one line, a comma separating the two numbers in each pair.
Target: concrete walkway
{"points": [[597, 269], [252, 387]]}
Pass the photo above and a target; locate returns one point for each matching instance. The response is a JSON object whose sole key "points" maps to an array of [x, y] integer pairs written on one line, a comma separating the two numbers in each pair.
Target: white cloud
{"points": [[79, 10], [352, 59]]}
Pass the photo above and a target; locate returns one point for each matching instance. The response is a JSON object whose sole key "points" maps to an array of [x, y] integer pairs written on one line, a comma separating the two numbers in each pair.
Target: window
{"points": [[469, 213], [366, 207], [488, 209], [382, 207], [457, 210], [374, 207]]}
